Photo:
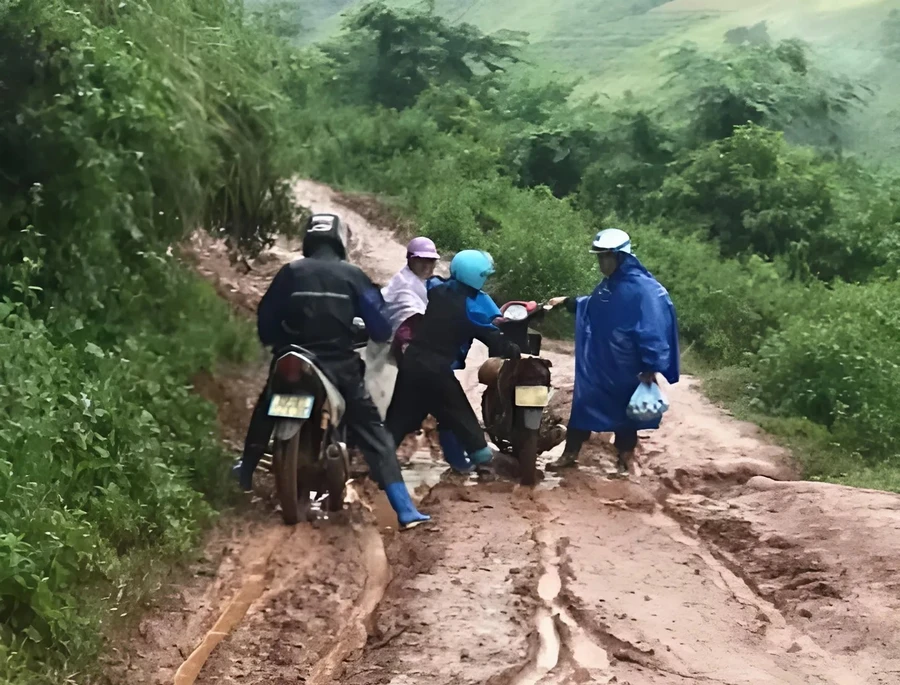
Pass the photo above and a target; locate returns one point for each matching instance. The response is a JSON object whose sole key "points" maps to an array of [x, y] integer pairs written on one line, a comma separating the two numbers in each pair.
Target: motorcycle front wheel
{"points": [[525, 441]]}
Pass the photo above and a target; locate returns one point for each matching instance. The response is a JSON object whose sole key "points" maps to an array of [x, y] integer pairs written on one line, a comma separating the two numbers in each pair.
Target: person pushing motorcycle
{"points": [[458, 312], [406, 299], [312, 302]]}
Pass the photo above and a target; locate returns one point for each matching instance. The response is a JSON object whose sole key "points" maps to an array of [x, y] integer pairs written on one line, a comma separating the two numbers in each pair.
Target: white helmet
{"points": [[611, 240]]}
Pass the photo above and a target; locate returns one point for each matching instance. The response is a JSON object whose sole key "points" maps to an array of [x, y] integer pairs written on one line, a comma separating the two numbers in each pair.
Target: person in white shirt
{"points": [[406, 296]]}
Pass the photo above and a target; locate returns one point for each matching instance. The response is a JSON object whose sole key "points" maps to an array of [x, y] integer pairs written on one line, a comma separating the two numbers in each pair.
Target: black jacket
{"points": [[312, 303], [444, 334]]}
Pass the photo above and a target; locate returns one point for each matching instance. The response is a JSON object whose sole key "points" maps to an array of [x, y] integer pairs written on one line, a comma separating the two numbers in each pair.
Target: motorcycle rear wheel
{"points": [[293, 498]]}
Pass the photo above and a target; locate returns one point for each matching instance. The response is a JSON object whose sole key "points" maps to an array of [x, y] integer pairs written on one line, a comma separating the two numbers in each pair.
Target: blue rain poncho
{"points": [[625, 327]]}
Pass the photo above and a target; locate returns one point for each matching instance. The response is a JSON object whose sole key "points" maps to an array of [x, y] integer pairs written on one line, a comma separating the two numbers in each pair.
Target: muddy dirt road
{"points": [[713, 567]]}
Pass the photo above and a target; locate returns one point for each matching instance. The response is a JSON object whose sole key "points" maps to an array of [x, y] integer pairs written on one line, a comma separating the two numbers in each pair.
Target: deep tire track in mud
{"points": [[480, 561], [706, 570]]}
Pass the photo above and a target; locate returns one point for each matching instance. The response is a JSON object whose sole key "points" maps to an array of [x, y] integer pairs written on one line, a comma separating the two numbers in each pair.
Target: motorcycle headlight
{"points": [[516, 312]]}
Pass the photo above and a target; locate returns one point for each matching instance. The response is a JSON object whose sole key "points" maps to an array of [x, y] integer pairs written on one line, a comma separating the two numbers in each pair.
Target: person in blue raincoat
{"points": [[626, 332]]}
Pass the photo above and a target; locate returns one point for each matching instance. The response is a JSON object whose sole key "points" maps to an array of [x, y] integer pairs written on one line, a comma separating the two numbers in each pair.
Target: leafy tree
{"points": [[776, 86], [556, 157], [751, 192], [755, 194], [636, 153], [455, 110], [413, 50], [534, 103]]}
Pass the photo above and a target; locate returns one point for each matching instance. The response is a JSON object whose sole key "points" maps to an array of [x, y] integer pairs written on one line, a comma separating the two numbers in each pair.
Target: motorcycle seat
{"points": [[336, 402]]}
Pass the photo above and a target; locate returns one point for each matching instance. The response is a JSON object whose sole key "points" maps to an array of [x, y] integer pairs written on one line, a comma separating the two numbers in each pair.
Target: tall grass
{"points": [[123, 126]]}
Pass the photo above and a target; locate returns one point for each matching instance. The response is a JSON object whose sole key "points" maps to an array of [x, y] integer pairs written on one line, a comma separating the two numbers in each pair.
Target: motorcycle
{"points": [[309, 442], [517, 391]]}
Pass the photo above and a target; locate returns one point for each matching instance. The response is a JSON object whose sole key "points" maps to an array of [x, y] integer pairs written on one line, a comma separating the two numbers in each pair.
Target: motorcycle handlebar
{"points": [[537, 312]]}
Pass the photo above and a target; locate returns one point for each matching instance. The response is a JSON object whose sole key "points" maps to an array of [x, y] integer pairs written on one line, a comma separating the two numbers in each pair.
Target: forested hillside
{"points": [[616, 47]]}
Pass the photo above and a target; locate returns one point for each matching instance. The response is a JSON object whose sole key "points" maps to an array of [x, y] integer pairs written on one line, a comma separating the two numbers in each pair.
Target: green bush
{"points": [[122, 128], [836, 363], [103, 453], [755, 194], [779, 86], [725, 308]]}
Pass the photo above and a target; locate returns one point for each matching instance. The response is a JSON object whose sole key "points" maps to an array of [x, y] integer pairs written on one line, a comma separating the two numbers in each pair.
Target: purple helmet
{"points": [[422, 248]]}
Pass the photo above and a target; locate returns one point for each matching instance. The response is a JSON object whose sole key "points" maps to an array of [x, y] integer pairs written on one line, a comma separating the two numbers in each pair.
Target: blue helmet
{"points": [[472, 268]]}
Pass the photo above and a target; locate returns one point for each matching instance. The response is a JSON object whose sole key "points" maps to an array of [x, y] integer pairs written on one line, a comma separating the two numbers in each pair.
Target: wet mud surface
{"points": [[478, 560], [714, 566]]}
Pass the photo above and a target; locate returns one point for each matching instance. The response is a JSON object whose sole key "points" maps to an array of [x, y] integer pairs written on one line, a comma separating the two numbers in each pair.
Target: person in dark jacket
{"points": [[626, 332], [312, 302], [458, 312]]}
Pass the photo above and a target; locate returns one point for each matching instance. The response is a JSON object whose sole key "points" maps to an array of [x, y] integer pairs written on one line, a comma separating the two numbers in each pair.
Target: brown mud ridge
{"points": [[713, 567]]}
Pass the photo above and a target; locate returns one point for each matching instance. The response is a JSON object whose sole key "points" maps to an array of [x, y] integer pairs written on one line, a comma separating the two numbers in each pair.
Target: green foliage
{"points": [[777, 86], [743, 227], [752, 192], [636, 153], [835, 363], [725, 308], [103, 453], [123, 127], [755, 194], [557, 157], [413, 50], [140, 121]]}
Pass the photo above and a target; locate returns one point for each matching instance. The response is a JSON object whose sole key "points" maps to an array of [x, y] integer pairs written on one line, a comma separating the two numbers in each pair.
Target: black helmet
{"points": [[325, 229]]}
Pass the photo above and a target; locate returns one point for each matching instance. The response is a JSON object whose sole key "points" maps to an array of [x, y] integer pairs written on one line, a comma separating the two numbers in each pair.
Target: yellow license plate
{"points": [[291, 406], [532, 395]]}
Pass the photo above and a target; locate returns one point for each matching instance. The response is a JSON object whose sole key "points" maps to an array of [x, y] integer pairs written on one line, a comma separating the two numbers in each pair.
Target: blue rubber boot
{"points": [[482, 457], [243, 476], [401, 502], [454, 454]]}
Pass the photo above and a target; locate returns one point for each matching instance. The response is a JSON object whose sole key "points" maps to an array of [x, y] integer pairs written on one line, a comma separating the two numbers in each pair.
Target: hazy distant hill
{"points": [[615, 45]]}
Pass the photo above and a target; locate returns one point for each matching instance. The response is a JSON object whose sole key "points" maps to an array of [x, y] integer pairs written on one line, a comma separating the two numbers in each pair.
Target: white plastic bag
{"points": [[381, 374], [647, 403]]}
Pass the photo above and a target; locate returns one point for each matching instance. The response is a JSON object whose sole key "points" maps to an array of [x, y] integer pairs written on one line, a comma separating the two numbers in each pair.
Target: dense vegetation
{"points": [[126, 125], [122, 127], [616, 47]]}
